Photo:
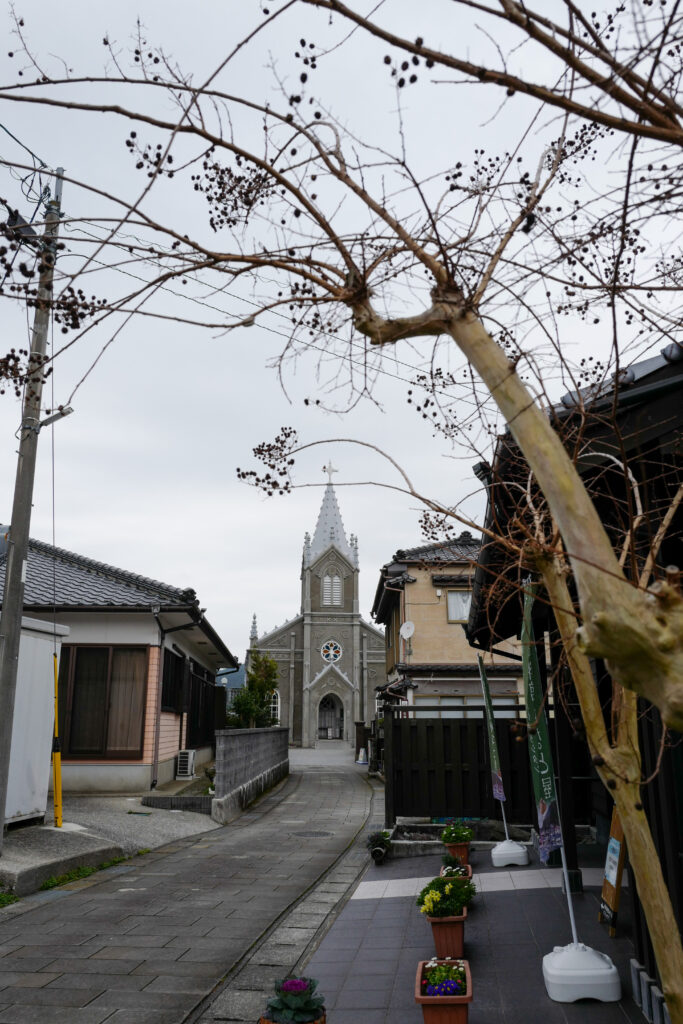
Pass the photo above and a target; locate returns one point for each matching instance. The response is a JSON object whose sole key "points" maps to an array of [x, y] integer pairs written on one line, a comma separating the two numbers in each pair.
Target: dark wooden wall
{"points": [[439, 767]]}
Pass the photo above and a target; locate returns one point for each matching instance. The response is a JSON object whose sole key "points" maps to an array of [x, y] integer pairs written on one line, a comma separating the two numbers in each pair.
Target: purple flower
{"points": [[295, 985]]}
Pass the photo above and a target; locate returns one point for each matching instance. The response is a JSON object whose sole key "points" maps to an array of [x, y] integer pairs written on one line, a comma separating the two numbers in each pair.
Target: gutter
{"points": [[195, 614]]}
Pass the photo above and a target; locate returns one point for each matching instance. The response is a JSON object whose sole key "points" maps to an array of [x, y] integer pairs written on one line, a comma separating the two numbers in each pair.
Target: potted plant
{"points": [[379, 844], [295, 1002], [454, 866], [456, 871], [444, 901], [456, 838], [443, 988]]}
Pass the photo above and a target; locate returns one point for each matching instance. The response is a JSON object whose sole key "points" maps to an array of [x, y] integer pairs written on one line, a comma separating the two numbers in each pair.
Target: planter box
{"points": [[443, 1009], [449, 935], [467, 869], [405, 844]]}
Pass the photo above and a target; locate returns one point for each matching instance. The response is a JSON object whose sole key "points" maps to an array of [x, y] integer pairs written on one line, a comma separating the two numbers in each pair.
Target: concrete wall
{"points": [[248, 762]]}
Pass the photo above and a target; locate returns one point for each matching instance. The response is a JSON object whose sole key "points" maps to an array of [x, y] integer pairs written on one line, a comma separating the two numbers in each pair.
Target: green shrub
{"points": [[446, 897]]}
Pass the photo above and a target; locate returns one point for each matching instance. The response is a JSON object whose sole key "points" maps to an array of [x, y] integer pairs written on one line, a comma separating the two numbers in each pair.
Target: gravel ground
{"points": [[124, 821]]}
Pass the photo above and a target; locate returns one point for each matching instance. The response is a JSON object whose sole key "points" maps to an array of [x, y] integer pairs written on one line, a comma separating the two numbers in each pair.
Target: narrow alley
{"points": [[154, 940]]}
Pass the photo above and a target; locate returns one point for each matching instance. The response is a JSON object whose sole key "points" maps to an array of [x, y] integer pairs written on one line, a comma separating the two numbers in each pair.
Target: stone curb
{"points": [[199, 804]]}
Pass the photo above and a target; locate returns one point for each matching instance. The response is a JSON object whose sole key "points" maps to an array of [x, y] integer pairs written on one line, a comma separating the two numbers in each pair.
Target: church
{"points": [[329, 659]]}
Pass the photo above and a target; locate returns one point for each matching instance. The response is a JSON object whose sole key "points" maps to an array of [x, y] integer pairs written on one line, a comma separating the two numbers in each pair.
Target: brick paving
{"points": [[151, 941]]}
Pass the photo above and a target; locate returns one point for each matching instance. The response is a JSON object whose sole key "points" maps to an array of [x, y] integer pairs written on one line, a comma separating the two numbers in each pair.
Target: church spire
{"points": [[329, 529], [253, 635]]}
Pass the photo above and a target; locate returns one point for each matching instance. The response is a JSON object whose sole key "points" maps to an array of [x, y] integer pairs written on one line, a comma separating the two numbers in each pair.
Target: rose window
{"points": [[331, 651]]}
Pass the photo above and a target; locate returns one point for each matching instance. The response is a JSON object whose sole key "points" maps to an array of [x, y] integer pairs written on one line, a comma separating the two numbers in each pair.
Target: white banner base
{"points": [[579, 972], [509, 852]]}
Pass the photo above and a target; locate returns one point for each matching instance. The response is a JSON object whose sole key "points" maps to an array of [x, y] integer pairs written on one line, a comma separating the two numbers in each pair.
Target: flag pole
{"points": [[575, 971], [508, 852], [570, 901], [505, 823]]}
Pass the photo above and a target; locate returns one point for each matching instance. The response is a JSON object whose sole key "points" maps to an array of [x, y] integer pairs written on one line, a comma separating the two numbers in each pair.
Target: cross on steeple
{"points": [[329, 469]]}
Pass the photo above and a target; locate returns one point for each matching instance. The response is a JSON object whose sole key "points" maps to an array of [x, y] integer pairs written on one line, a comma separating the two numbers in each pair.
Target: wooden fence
{"points": [[440, 767]]}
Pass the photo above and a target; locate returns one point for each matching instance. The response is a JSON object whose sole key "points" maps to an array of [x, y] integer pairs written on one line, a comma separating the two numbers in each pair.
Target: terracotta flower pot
{"points": [[449, 934], [319, 1020], [443, 1009], [467, 874], [461, 850]]}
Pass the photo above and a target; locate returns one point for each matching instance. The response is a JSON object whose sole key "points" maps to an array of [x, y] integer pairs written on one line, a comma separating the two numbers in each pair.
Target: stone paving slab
{"points": [[367, 961], [244, 995], [152, 940]]}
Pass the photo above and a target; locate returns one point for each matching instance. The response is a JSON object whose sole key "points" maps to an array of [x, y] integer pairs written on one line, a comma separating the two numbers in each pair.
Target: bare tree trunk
{"points": [[639, 635], [619, 768]]}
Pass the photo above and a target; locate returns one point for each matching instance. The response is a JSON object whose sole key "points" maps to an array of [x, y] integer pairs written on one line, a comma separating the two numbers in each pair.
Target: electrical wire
{"points": [[23, 146], [52, 461]]}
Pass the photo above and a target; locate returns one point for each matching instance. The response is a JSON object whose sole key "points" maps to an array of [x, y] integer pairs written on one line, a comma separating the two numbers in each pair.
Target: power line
{"points": [[23, 146]]}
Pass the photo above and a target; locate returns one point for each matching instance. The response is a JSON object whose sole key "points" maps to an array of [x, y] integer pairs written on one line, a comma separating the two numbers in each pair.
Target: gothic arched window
{"points": [[275, 707], [332, 589]]}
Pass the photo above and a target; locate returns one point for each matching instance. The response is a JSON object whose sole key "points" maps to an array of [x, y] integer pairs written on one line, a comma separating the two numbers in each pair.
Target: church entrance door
{"points": [[330, 718]]}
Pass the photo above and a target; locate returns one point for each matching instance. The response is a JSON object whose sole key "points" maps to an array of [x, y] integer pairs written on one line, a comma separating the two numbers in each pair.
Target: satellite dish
{"points": [[407, 630]]}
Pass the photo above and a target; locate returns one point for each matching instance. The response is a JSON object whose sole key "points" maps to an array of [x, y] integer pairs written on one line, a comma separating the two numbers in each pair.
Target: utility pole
{"points": [[17, 551]]}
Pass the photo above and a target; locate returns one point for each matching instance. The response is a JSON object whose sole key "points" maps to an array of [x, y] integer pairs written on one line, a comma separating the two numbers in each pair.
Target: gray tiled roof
{"points": [[70, 580], [458, 549]]}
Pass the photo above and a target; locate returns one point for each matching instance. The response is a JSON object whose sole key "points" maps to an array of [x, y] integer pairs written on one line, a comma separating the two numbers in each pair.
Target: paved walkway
{"points": [[366, 964], [152, 941]]}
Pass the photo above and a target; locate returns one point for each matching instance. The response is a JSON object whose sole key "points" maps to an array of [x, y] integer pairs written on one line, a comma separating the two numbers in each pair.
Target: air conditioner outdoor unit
{"points": [[185, 767]]}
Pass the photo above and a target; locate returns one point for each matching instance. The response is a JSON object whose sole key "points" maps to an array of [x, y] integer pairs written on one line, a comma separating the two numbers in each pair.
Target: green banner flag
{"points": [[496, 774], [542, 772]]}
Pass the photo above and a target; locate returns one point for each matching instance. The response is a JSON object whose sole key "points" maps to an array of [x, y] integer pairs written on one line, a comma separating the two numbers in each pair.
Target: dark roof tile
{"points": [[462, 548], [68, 580]]}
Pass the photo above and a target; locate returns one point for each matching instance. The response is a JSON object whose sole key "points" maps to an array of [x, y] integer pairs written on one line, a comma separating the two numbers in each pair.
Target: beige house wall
{"points": [[436, 639]]}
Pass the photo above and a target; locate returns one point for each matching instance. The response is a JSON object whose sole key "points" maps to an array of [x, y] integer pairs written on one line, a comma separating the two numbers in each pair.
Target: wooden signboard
{"points": [[614, 868]]}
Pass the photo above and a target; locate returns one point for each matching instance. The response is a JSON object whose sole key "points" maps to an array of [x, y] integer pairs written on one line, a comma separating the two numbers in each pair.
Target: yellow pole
{"points": [[57, 757]]}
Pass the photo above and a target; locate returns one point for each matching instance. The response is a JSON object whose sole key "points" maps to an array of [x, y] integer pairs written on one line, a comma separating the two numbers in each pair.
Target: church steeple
{"points": [[329, 529]]}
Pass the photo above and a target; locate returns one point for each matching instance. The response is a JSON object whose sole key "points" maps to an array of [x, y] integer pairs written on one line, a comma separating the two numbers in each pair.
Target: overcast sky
{"points": [[144, 470]]}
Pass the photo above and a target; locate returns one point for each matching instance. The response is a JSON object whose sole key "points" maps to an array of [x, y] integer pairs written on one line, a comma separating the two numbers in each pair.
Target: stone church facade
{"points": [[329, 659]]}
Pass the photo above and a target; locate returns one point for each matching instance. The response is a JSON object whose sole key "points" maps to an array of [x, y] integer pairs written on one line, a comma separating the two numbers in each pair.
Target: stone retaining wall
{"points": [[248, 762]]}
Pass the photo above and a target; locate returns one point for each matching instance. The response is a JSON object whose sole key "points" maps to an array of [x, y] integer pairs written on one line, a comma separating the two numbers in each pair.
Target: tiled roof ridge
{"points": [[121, 575], [465, 538]]}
